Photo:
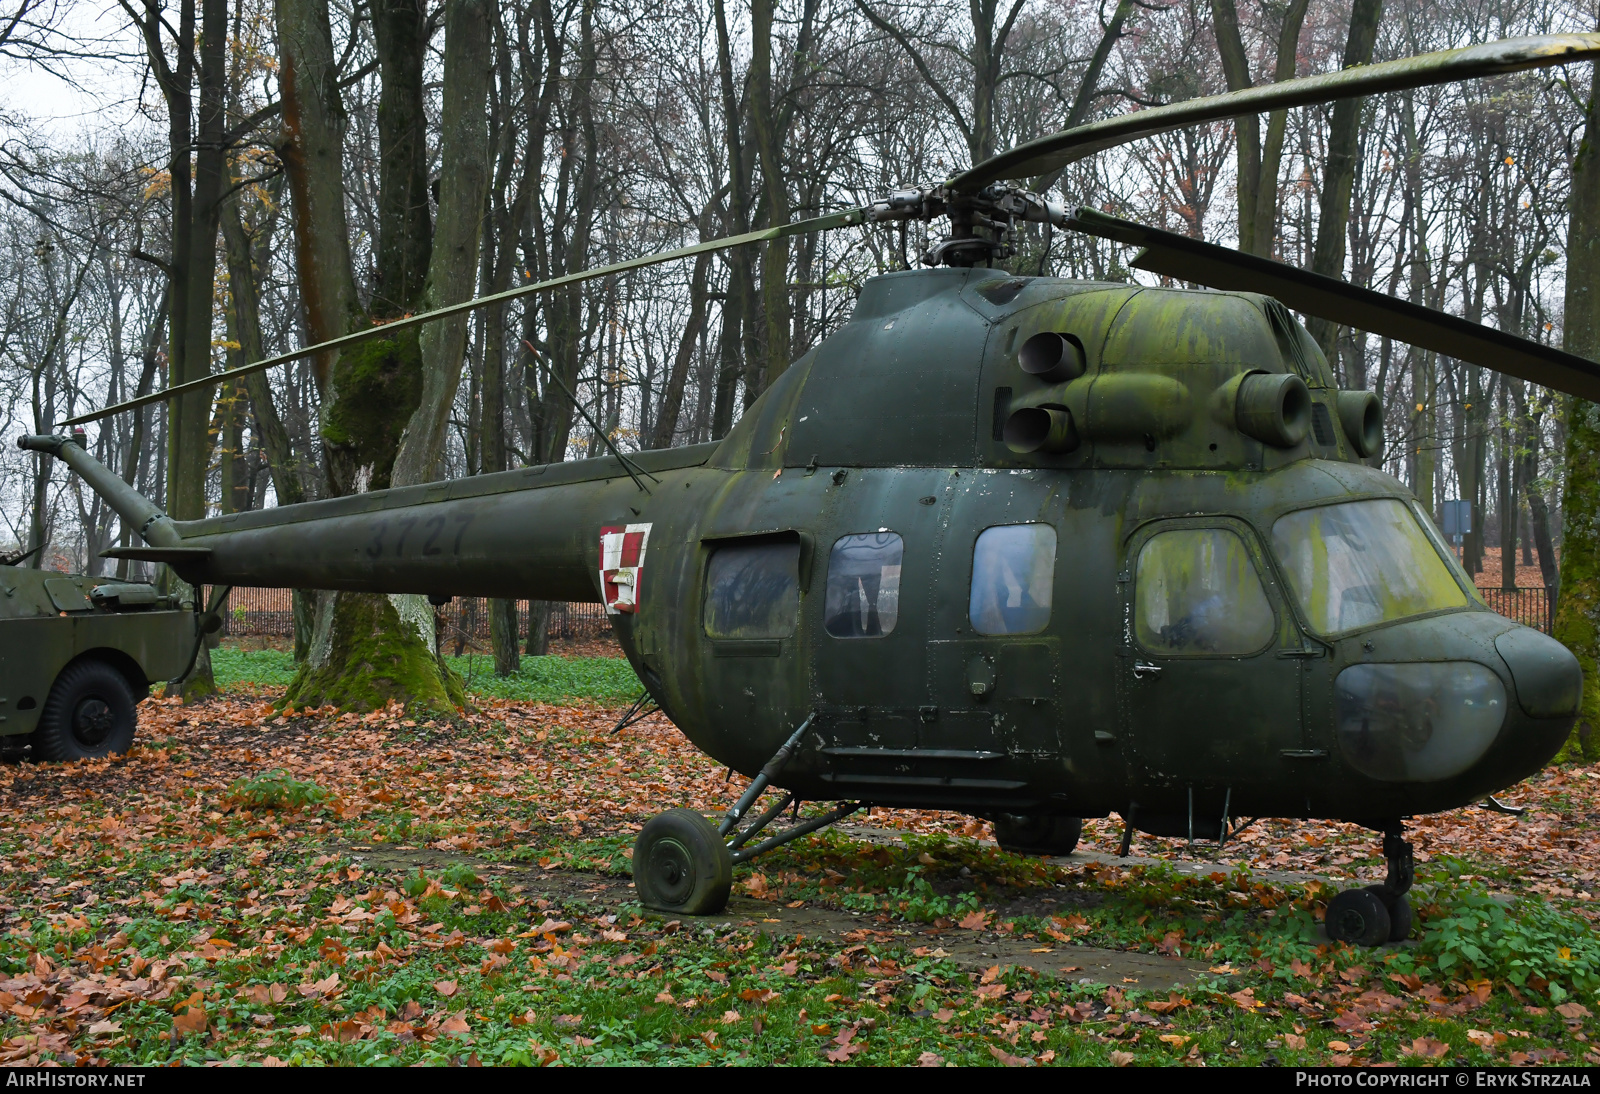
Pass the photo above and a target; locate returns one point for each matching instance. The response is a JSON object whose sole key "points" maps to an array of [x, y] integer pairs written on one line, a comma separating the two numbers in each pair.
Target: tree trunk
{"points": [[245, 253], [738, 310], [1577, 622], [497, 258], [453, 267], [1475, 424], [538, 628], [580, 142], [1510, 508], [672, 396], [775, 189], [1258, 161], [365, 650], [197, 167], [1338, 177]]}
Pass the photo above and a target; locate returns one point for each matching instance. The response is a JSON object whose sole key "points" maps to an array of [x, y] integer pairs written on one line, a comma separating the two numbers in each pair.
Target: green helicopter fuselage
{"points": [[1021, 545]]}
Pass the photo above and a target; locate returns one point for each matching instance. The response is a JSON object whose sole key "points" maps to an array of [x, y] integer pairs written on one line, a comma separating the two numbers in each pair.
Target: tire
{"points": [[89, 714], [1037, 835], [1399, 909], [681, 865], [1357, 916]]}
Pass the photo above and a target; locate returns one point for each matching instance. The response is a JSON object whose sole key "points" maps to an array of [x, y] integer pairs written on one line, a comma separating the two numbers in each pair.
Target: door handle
{"points": [[1141, 670]]}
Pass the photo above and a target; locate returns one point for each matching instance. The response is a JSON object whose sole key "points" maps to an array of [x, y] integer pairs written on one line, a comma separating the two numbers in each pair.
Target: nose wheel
{"points": [[1377, 913]]}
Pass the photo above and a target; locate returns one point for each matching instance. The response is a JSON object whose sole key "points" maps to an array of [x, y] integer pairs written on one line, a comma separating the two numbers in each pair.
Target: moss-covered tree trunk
{"points": [[365, 649], [368, 650], [1577, 623]]}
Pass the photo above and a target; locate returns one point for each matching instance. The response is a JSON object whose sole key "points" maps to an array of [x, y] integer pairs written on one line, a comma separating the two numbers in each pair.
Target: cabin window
{"points": [[1362, 562], [1013, 571], [863, 597], [753, 589], [1198, 593]]}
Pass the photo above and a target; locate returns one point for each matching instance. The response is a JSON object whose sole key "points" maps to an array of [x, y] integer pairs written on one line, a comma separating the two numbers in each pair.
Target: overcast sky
{"points": [[97, 93]]}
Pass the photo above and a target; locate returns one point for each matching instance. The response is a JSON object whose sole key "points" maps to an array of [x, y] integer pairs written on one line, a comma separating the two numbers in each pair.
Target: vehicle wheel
{"points": [[1037, 835], [1399, 909], [88, 714], [1358, 916], [680, 864]]}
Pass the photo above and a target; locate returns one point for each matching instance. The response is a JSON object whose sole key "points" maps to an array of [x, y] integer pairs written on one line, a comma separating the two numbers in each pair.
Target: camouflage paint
{"points": [[894, 423]]}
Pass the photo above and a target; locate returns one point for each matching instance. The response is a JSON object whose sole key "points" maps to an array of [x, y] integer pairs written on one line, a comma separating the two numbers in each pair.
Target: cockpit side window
{"points": [[1198, 592], [863, 595], [753, 589], [1013, 577], [1362, 562]]}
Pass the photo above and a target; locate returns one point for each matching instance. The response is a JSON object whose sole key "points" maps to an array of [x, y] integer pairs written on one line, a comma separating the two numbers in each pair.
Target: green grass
{"points": [[275, 789], [541, 680], [551, 679], [233, 667]]}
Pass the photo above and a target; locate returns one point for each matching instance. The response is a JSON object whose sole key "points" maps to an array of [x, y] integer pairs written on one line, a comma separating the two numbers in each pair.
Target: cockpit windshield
{"points": [[1362, 562]]}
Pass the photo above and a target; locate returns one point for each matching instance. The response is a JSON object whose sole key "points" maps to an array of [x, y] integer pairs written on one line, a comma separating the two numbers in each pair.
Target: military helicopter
{"points": [[1028, 548]]}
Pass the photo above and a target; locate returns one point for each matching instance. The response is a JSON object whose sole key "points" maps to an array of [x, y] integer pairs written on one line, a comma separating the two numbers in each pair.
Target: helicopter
{"points": [[1028, 548]]}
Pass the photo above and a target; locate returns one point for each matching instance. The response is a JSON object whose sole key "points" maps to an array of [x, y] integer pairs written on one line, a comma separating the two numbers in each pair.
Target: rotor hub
{"points": [[982, 225]]}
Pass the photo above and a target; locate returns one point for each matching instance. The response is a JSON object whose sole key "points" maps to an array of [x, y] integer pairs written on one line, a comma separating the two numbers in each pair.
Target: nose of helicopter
{"points": [[1471, 705], [1548, 678]]}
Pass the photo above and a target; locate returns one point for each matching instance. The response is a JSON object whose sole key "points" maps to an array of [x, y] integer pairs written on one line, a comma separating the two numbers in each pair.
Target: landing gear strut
{"points": [[681, 863], [1378, 913]]}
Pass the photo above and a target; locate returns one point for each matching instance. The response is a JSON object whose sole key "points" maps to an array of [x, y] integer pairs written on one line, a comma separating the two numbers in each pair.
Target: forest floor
{"points": [[250, 887]]}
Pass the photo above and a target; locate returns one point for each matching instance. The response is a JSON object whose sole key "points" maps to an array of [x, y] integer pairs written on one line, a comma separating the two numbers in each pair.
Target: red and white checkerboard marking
{"points": [[621, 558]]}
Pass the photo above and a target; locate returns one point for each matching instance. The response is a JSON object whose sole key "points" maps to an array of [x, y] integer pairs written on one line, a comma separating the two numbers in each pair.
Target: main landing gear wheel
{"points": [[680, 864], [1358, 916], [88, 714], [1378, 913], [1398, 905], [1037, 835]]}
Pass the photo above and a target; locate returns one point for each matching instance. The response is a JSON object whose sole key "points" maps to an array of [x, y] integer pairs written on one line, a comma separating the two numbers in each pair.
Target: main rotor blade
{"points": [[383, 330], [1328, 297], [1039, 157]]}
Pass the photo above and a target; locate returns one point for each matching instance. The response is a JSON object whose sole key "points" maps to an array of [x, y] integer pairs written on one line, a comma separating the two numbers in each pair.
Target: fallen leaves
{"points": [[1168, 1005], [1007, 1059], [263, 994], [577, 783], [192, 1020], [1246, 999], [846, 1046], [326, 988]]}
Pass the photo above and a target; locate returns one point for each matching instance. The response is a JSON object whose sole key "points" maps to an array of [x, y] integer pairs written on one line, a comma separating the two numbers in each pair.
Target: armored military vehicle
{"points": [[77, 654]]}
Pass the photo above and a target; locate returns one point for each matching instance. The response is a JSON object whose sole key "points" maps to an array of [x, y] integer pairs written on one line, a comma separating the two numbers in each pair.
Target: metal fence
{"points": [[270, 613], [1532, 607]]}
